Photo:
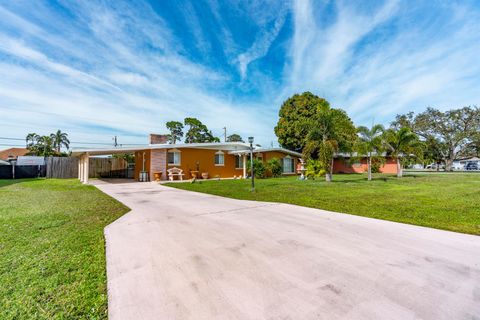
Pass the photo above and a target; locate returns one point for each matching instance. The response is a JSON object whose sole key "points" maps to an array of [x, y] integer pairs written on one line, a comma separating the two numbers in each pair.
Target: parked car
{"points": [[472, 166], [433, 166]]}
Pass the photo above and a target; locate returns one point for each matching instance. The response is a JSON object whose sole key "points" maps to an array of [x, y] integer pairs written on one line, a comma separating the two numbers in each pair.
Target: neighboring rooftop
{"points": [[12, 153]]}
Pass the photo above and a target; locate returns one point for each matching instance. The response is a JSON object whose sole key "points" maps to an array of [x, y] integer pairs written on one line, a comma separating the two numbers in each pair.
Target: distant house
{"points": [[12, 153], [466, 163], [353, 163]]}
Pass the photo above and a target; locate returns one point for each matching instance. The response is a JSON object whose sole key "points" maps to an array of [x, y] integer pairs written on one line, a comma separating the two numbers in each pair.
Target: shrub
{"points": [[258, 168], [314, 169], [274, 167], [377, 163]]}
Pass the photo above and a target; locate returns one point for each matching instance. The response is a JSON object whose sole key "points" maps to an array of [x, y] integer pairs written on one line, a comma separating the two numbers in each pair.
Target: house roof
{"points": [[229, 146], [232, 147], [12, 153]]}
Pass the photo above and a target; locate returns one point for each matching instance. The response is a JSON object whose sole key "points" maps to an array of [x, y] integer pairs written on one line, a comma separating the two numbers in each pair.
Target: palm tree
{"points": [[370, 143], [60, 139], [44, 146], [401, 142], [31, 139], [329, 131]]}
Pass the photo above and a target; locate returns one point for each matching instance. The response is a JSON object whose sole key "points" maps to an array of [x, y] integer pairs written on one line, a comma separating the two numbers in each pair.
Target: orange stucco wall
{"points": [[279, 155], [206, 163], [138, 162], [343, 166]]}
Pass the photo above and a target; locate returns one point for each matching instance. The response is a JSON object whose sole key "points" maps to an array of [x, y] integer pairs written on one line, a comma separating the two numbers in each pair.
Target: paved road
{"points": [[185, 255]]}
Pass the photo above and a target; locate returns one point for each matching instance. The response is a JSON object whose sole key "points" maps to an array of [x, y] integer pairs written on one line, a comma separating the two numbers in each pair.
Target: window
{"points": [[288, 165], [219, 158], [173, 157], [238, 162]]}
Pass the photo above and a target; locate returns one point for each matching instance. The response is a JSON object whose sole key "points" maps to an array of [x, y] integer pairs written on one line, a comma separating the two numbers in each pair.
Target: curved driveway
{"points": [[185, 255]]}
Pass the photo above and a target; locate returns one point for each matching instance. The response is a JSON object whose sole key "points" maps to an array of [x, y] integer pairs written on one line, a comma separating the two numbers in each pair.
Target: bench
{"points": [[175, 172]]}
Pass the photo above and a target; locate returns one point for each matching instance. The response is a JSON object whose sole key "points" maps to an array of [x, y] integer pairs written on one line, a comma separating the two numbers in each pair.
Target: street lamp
{"points": [[250, 140]]}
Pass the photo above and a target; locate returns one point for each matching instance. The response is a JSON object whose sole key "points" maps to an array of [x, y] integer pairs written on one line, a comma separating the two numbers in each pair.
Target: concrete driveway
{"points": [[185, 255]]}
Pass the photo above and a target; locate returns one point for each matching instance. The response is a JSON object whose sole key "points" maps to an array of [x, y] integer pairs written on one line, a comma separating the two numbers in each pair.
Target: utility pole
{"points": [[225, 134]]}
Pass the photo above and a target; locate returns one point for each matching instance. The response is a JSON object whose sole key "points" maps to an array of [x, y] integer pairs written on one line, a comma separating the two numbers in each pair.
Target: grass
{"points": [[443, 201], [52, 250]]}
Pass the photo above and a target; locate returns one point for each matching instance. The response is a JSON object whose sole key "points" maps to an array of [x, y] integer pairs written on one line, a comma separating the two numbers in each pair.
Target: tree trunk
{"points": [[399, 169], [369, 168], [329, 175], [449, 164]]}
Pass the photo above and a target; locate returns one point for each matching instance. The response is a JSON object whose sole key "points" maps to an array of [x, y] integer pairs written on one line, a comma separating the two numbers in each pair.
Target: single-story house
{"points": [[352, 163], [217, 159], [12, 153]]}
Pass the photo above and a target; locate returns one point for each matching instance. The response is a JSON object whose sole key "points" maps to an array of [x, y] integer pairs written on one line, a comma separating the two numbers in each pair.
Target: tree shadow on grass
{"points": [[9, 182]]}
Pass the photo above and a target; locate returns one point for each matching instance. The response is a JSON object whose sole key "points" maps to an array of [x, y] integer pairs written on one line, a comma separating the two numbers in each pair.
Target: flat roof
{"points": [[229, 146], [232, 147]]}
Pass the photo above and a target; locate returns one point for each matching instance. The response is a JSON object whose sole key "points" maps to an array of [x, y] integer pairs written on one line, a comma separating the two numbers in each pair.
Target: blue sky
{"points": [[96, 69]]}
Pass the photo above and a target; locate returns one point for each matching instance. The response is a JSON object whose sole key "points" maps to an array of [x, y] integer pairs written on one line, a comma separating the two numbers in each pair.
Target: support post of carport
{"points": [[244, 157], [86, 169], [80, 170]]}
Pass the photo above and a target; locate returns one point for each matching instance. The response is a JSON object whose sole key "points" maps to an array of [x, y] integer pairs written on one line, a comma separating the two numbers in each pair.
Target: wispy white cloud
{"points": [[96, 69], [261, 45], [129, 89], [386, 60]]}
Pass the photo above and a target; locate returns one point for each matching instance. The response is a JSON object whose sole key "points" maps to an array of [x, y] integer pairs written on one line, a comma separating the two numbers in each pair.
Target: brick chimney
{"points": [[158, 138]]}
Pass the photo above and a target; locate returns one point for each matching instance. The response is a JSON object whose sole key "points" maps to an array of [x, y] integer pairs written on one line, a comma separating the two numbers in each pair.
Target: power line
{"points": [[78, 142]]}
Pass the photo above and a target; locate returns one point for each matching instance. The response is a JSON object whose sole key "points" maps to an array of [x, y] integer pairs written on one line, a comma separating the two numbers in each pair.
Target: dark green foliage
{"points": [[198, 132], [274, 167], [258, 168], [46, 146], [315, 169], [129, 157], [234, 138], [176, 131], [370, 144], [294, 112], [446, 135]]}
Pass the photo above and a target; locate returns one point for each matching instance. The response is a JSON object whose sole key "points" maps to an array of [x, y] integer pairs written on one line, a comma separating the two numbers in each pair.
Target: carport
{"points": [[85, 155]]}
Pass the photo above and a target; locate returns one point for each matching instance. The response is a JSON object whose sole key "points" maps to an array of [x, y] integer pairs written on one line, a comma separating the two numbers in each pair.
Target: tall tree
{"points": [[60, 139], [434, 151], [328, 131], [198, 132], [400, 145], [451, 131], [44, 146], [176, 131], [31, 139], [234, 138], [370, 144], [294, 112]]}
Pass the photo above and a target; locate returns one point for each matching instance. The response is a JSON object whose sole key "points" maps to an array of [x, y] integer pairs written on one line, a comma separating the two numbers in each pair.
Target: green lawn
{"points": [[52, 249], [443, 201]]}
